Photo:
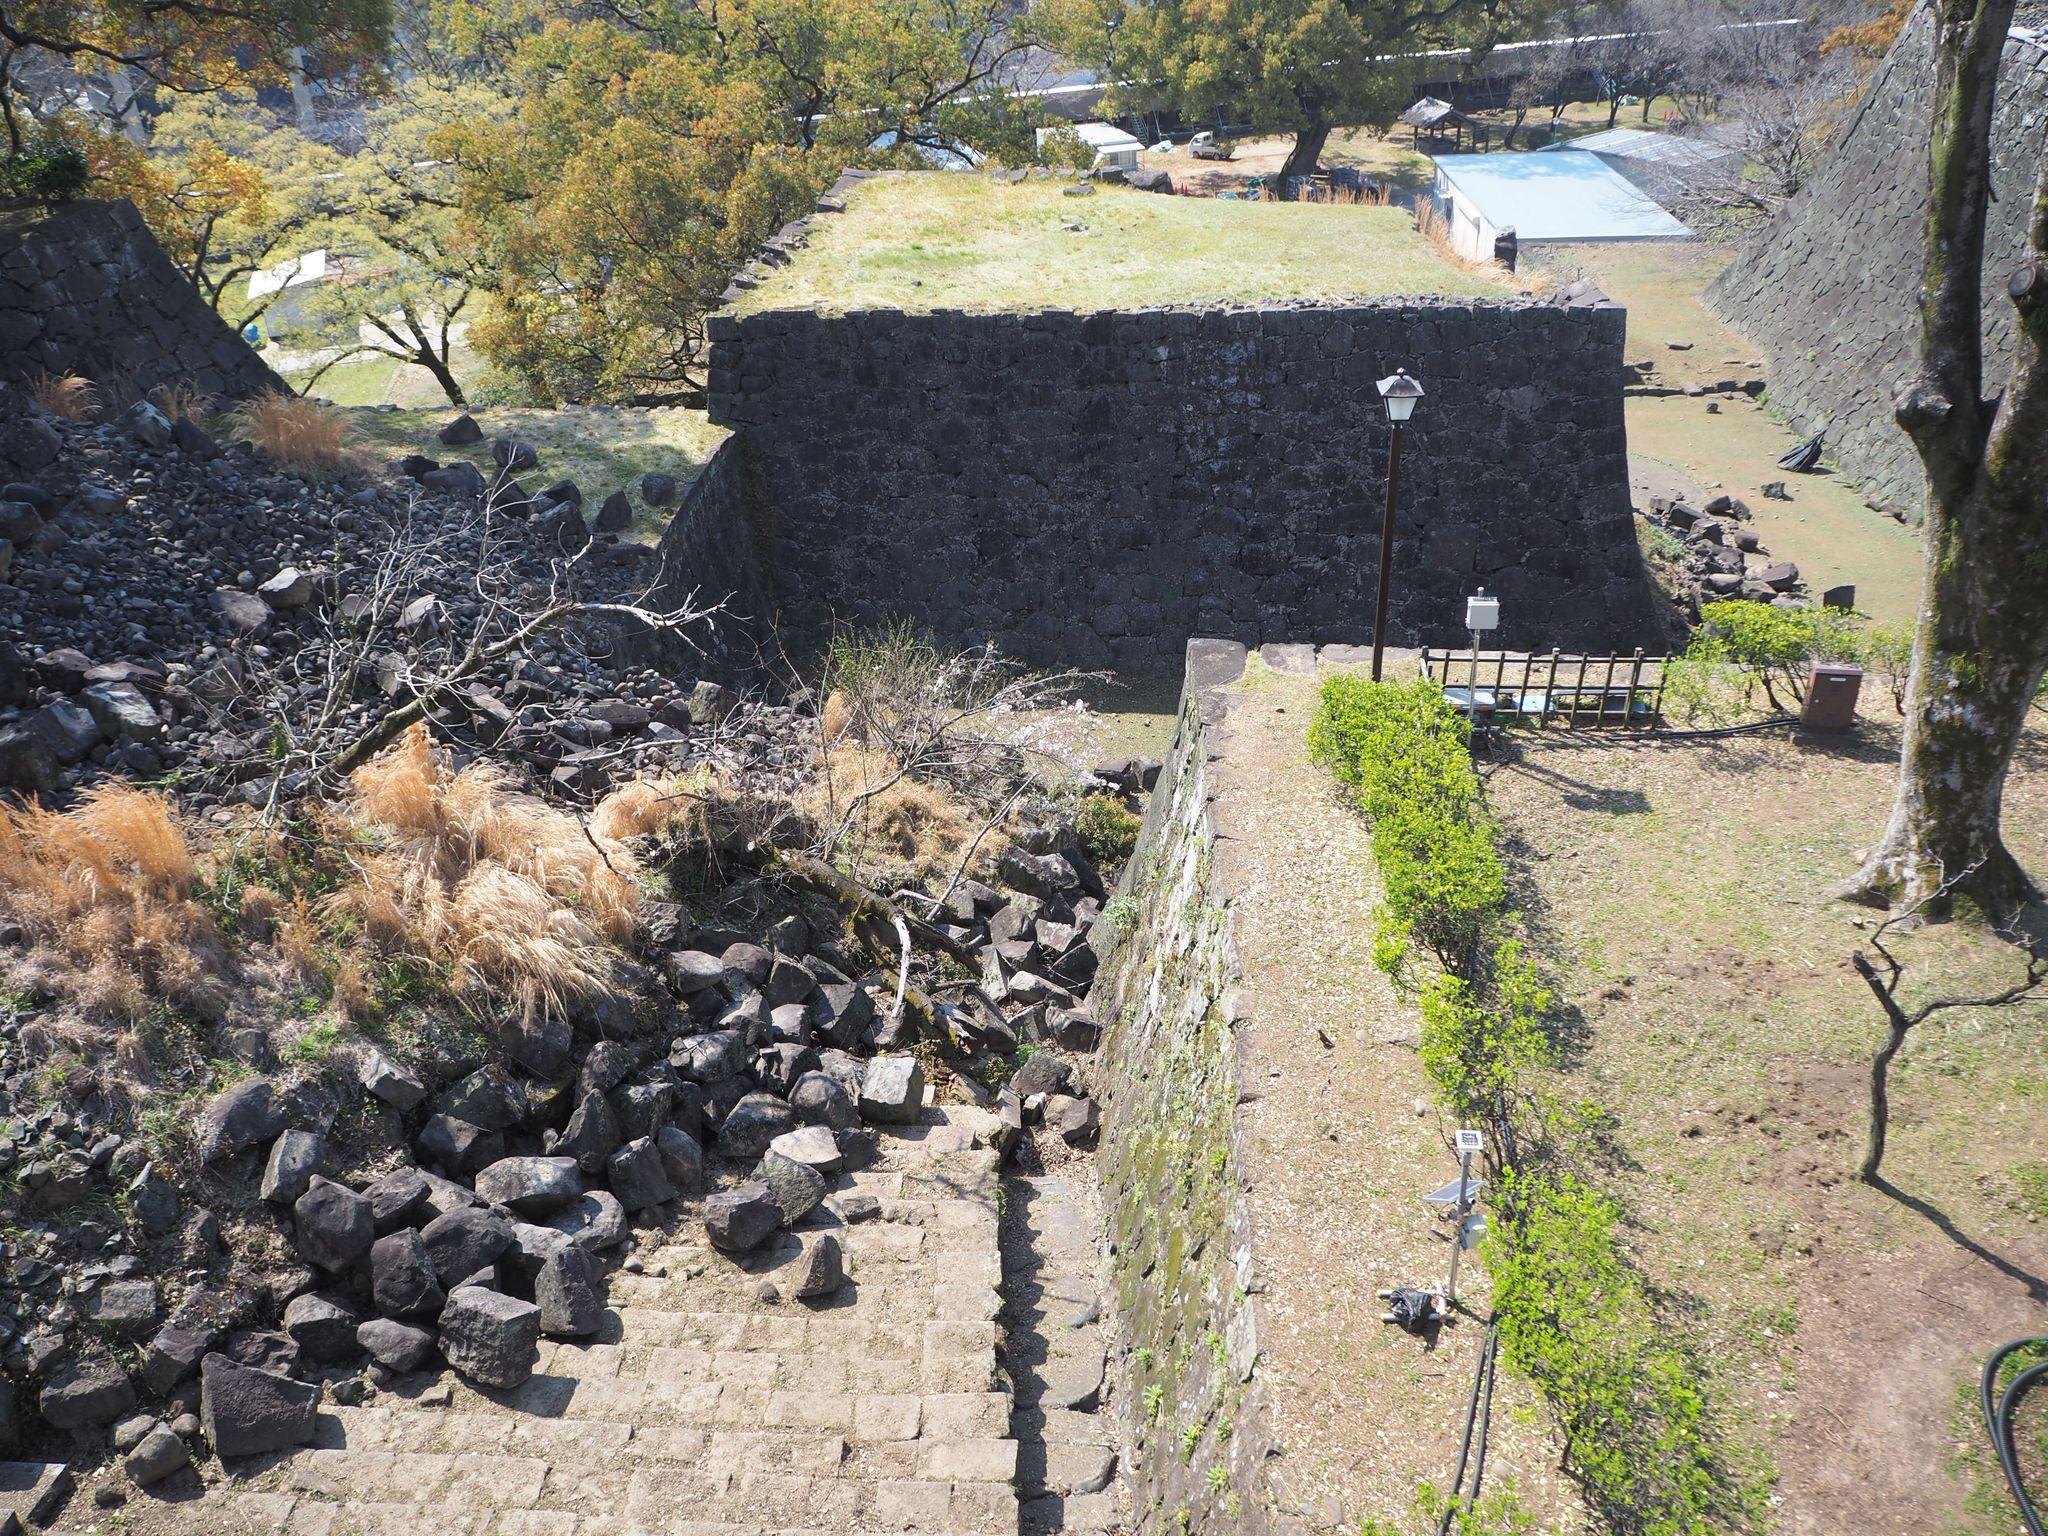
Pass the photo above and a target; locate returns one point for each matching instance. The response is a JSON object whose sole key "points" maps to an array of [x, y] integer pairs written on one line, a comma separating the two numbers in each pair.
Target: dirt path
{"points": [[1339, 1154]]}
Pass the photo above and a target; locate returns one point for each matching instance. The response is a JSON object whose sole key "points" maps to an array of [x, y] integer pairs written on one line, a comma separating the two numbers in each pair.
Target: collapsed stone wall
{"points": [[1171, 1148], [88, 290], [1094, 489], [1830, 290]]}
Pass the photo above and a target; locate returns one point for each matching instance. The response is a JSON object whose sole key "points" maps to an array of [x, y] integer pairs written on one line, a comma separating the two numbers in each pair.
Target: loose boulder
{"points": [[819, 1269], [247, 1411], [743, 1218], [463, 1242], [403, 1279], [333, 1224], [238, 1117], [892, 1091], [395, 1346], [323, 1327], [531, 1186], [637, 1177], [566, 1292], [754, 1123], [294, 1159], [490, 1337]]}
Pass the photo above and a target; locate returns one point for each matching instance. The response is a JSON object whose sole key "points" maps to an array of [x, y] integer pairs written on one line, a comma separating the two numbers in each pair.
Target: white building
{"points": [[1544, 199]]}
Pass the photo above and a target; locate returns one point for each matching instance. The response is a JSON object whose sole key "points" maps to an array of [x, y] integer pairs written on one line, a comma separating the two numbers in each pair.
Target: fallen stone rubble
{"points": [[1724, 560], [731, 1076], [165, 600]]}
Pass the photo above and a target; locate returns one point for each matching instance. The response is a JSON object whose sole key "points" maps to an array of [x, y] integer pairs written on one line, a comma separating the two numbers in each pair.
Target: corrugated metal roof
{"points": [[1570, 195], [1671, 150]]}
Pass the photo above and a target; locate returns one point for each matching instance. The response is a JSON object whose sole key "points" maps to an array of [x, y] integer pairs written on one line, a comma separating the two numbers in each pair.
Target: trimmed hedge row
{"points": [[1574, 1313]]}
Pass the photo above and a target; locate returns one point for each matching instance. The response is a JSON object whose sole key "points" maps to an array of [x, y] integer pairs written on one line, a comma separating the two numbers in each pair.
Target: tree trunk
{"points": [[1307, 152], [435, 364], [1982, 641]]}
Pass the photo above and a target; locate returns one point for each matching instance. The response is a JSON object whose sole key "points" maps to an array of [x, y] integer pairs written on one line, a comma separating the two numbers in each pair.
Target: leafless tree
{"points": [[1884, 977]]}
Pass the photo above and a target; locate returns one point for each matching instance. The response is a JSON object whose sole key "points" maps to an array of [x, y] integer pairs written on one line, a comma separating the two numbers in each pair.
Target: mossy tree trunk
{"points": [[1982, 640]]}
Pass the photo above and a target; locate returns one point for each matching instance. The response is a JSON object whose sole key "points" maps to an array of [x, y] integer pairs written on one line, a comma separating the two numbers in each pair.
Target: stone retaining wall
{"points": [[1093, 489], [1830, 290], [1171, 1148], [709, 548], [88, 290]]}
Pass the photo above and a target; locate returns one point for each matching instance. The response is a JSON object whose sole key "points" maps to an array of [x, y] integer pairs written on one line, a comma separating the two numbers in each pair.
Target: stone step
{"points": [[30, 1491]]}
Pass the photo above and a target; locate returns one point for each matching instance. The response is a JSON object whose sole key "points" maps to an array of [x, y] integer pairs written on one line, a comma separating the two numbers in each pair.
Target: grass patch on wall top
{"points": [[928, 240]]}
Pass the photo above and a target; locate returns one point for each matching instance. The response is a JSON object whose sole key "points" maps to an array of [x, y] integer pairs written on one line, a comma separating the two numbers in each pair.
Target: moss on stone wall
{"points": [[1179, 1230]]}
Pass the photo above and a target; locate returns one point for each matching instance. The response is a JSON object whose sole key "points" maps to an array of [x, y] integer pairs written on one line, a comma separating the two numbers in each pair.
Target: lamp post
{"points": [[1399, 393]]}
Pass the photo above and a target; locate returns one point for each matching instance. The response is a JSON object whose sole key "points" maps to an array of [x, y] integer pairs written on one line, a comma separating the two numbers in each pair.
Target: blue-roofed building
{"points": [[1547, 198]]}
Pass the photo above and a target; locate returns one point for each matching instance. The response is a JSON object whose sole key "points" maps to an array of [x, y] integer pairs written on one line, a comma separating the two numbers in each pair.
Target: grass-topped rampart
{"points": [[920, 242]]}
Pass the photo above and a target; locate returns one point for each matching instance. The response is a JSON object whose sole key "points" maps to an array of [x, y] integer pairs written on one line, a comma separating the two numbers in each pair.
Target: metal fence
{"points": [[1500, 688]]}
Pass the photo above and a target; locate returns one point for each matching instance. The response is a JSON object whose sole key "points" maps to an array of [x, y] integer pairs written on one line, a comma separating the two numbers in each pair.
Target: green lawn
{"points": [[932, 241]]}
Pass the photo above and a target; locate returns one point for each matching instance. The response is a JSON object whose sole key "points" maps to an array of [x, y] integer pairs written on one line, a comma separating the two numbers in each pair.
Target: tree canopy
{"points": [[648, 154], [179, 45]]}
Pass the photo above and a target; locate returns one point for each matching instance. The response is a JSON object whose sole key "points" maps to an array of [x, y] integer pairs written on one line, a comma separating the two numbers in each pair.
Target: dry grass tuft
{"points": [[507, 892], [257, 912], [182, 400], [296, 432], [909, 830], [68, 396], [837, 716], [634, 810], [103, 893]]}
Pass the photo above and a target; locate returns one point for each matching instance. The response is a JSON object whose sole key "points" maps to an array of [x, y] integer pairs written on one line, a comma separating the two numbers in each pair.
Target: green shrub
{"points": [[50, 168], [1064, 149], [1108, 831], [1773, 647], [1576, 1317], [1480, 1039], [1405, 755], [1886, 651]]}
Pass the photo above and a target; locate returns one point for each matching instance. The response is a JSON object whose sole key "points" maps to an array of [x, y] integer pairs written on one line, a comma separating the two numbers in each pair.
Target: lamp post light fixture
{"points": [[1398, 392]]}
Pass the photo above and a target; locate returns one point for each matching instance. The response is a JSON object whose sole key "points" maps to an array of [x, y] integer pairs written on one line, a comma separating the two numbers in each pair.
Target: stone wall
{"points": [[88, 290], [1093, 489], [1171, 1148], [1830, 290], [708, 548]]}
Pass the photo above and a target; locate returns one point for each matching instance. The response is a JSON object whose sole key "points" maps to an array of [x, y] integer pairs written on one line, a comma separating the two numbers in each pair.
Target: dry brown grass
{"points": [[68, 396], [901, 829], [103, 893], [182, 400], [296, 432], [507, 892], [836, 718]]}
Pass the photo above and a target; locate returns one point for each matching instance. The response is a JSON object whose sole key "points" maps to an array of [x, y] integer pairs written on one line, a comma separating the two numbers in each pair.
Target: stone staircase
{"points": [[709, 1407]]}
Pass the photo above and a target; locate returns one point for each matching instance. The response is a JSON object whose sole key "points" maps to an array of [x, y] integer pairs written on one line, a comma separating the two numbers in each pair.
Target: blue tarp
{"points": [[1566, 195]]}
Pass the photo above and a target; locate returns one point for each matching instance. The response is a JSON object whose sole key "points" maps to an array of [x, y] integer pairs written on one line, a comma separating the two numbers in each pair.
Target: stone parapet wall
{"points": [[1195, 1421], [1094, 489], [89, 291], [1830, 290]]}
